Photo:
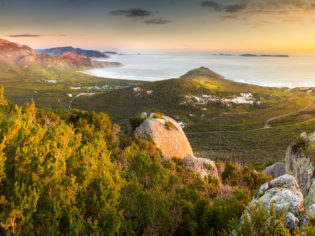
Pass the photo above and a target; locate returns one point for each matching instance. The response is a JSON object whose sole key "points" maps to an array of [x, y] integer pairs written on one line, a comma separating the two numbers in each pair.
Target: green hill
{"points": [[223, 119], [179, 98]]}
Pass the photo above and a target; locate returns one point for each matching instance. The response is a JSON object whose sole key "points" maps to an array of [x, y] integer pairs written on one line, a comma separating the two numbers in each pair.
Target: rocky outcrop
{"points": [[275, 170], [167, 135], [202, 166], [283, 192], [295, 190], [300, 163]]}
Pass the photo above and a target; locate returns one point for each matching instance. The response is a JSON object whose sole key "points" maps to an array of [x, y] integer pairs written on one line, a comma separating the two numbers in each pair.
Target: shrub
{"points": [[231, 174], [169, 125], [236, 175], [136, 122], [158, 115], [262, 221], [57, 179], [309, 228]]}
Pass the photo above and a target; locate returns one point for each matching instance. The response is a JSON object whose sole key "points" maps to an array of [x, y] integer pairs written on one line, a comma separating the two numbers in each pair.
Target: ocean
{"points": [[298, 70]]}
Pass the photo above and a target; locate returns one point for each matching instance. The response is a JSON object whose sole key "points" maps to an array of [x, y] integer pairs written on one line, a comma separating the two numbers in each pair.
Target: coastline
{"points": [[296, 71], [274, 85]]}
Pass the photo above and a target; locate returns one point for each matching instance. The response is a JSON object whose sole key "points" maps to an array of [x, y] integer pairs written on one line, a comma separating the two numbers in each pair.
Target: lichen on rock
{"points": [[275, 170], [202, 166], [299, 162], [284, 193]]}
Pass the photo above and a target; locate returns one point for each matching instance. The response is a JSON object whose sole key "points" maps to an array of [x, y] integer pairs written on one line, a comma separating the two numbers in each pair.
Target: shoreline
{"points": [[238, 81], [91, 74], [271, 72]]}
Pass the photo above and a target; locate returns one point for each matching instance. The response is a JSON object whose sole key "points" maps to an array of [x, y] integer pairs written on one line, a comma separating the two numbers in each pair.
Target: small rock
{"points": [[283, 192], [291, 221], [143, 115], [275, 170], [204, 167]]}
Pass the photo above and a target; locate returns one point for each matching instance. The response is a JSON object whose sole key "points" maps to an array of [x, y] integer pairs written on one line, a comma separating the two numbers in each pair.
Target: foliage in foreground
{"points": [[264, 222], [67, 173]]}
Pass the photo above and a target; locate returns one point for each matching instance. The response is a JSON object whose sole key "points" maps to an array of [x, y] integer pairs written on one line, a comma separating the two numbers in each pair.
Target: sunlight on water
{"points": [[296, 71]]}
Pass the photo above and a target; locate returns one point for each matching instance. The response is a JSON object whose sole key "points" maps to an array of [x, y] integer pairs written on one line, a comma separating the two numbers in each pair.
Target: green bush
{"points": [[169, 125], [158, 115], [261, 221], [58, 178], [135, 122]]}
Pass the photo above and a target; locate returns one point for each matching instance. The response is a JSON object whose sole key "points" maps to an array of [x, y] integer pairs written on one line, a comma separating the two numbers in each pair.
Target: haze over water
{"points": [[296, 71]]}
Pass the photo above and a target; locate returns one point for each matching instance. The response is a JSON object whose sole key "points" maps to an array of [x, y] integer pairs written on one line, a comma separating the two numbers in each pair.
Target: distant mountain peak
{"points": [[202, 71], [3, 41], [13, 51], [70, 54]]}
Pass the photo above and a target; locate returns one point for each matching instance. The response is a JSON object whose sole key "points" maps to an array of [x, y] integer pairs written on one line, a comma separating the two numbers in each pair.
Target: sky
{"points": [[218, 25]]}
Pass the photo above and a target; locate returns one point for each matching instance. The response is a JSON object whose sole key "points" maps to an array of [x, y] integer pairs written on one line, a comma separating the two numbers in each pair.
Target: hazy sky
{"points": [[223, 25]]}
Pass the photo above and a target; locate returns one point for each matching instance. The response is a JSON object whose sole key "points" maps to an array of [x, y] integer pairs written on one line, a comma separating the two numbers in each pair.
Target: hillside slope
{"points": [[223, 119], [198, 96]]}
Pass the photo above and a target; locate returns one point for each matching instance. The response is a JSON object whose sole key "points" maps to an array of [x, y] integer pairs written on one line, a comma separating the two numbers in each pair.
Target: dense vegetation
{"points": [[69, 173]]}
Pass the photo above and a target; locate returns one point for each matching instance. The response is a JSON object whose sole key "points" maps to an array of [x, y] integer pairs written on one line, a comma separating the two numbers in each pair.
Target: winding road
{"points": [[267, 124], [76, 96]]}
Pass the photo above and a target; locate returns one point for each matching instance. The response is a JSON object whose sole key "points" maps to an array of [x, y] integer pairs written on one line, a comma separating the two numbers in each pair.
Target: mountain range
{"points": [[14, 57], [59, 50]]}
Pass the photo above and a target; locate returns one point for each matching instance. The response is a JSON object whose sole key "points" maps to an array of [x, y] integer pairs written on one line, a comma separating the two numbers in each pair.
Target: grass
{"points": [[26, 86], [255, 147]]}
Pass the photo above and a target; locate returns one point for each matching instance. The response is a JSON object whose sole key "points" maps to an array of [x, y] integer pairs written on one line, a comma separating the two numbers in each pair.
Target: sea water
{"points": [[297, 70]]}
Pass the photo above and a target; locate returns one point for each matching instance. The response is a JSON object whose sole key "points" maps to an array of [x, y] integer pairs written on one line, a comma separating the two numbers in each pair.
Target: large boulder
{"points": [[300, 163], [275, 170], [283, 192], [202, 166], [167, 135]]}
